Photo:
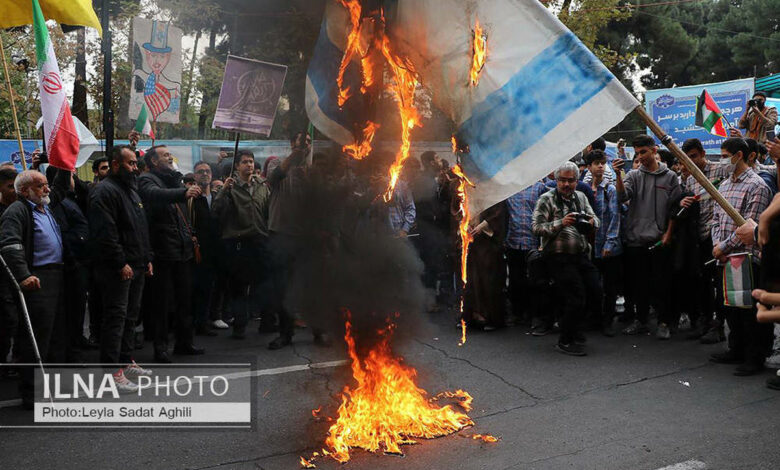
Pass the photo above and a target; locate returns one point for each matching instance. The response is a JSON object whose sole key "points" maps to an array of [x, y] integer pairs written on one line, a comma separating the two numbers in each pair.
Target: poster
{"points": [[674, 109], [157, 65], [9, 152], [250, 94]]}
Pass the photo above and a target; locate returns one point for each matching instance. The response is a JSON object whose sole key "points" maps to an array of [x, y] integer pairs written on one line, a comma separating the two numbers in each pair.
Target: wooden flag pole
{"points": [[692, 168], [235, 154], [13, 106]]}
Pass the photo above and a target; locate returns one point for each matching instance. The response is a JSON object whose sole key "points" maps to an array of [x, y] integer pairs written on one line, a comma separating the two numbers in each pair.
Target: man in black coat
{"points": [[171, 237], [119, 239], [31, 244]]}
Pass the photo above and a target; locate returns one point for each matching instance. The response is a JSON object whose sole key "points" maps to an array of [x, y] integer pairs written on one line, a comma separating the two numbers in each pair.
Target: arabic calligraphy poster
{"points": [[249, 97], [674, 109], [156, 70]]}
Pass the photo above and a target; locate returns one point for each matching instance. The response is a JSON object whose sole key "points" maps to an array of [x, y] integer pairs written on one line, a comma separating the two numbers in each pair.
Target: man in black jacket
{"points": [[205, 228], [172, 241], [31, 244], [119, 237]]}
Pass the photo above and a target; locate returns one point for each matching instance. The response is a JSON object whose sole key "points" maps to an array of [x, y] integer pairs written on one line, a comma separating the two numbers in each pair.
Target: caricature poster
{"points": [[157, 65]]}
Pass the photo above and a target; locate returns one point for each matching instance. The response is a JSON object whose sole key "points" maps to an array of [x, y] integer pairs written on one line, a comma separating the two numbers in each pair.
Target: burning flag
{"points": [[386, 408], [541, 93]]}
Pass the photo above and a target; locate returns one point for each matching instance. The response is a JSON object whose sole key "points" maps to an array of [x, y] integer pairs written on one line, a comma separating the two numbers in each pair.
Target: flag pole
{"points": [[235, 154], [692, 168], [13, 106]]}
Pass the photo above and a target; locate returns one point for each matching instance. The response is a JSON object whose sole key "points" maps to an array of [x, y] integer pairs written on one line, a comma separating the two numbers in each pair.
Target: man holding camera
{"points": [[565, 221], [758, 118]]}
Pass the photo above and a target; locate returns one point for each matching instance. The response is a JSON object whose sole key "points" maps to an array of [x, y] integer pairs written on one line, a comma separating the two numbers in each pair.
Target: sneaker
{"points": [[134, 370], [636, 327], [727, 357], [713, 336], [540, 330], [773, 383], [280, 342], [580, 338], [122, 384], [220, 325], [572, 349], [663, 331]]}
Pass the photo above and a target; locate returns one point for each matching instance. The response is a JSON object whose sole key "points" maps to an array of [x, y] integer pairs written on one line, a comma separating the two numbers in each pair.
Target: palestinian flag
{"points": [[142, 124], [709, 116], [738, 282], [59, 131]]}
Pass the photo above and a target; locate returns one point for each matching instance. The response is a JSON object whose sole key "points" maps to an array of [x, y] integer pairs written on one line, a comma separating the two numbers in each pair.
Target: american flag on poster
{"points": [[157, 65]]}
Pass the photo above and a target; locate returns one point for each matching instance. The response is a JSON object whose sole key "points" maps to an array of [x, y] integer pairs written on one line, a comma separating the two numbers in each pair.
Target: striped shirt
{"points": [[521, 211], [548, 223], [750, 196], [712, 171]]}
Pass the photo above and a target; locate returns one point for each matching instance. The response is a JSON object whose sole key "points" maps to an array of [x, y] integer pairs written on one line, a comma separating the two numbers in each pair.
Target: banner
{"points": [[250, 94], [9, 152], [674, 109], [156, 70]]}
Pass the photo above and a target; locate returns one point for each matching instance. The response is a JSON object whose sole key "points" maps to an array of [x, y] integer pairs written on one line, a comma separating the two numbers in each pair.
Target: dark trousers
{"points": [[67, 346], [43, 306], [9, 317], [203, 288], [747, 338], [519, 286], [284, 248], [610, 269], [171, 287], [705, 298], [575, 279], [121, 304], [95, 305], [246, 270], [647, 279]]}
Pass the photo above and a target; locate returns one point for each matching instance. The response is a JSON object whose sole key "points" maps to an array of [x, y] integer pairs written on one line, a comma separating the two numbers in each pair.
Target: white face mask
{"points": [[730, 167]]}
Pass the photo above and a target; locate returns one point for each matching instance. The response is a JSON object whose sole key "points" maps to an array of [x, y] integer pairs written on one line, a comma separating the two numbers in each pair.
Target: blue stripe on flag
{"points": [[323, 72], [554, 84]]}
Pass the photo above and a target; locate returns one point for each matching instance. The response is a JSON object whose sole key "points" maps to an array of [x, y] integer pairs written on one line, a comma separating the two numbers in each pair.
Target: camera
{"points": [[582, 223], [751, 103]]}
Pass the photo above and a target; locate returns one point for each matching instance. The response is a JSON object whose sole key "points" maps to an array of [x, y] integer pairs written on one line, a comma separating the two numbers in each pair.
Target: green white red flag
{"points": [[709, 115], [59, 132], [142, 124]]}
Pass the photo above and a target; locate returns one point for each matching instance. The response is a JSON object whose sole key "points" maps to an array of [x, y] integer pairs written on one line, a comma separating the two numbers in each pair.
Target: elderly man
{"points": [[564, 220], [171, 237], [31, 244]]}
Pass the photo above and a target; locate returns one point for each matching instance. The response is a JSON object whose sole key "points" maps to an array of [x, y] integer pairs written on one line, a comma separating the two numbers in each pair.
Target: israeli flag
{"points": [[321, 89], [542, 95]]}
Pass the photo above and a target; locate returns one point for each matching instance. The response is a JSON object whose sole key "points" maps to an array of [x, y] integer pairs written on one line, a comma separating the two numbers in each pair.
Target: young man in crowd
{"points": [[758, 118], [652, 191], [206, 232], [607, 247], [749, 342], [99, 170], [705, 328], [563, 219]]}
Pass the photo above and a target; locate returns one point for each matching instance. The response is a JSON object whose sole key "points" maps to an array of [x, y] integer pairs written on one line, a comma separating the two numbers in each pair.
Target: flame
{"points": [[360, 149], [462, 328], [386, 409], [478, 53], [463, 226], [316, 412], [454, 144], [485, 437], [353, 42], [403, 86]]}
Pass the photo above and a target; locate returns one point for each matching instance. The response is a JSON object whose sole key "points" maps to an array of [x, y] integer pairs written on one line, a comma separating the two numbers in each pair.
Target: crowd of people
{"points": [[153, 254]]}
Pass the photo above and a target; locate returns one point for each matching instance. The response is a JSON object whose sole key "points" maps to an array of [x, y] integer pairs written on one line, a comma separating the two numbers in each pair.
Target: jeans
{"points": [[647, 280], [121, 304], [171, 286], [610, 270], [576, 279], [519, 286]]}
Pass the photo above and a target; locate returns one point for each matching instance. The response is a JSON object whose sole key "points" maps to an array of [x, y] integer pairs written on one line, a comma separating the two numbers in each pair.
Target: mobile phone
{"points": [[770, 134]]}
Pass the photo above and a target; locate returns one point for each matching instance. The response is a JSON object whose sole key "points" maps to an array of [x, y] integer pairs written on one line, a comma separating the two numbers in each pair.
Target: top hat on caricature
{"points": [[159, 40]]}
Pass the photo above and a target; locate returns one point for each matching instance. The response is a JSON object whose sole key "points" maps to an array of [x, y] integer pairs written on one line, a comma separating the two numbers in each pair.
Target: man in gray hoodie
{"points": [[651, 192]]}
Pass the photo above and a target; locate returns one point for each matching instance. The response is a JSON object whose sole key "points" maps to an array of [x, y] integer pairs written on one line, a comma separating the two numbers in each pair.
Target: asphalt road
{"points": [[632, 403]]}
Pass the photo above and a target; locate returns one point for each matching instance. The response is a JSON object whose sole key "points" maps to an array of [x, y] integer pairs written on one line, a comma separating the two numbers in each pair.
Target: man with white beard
{"points": [[31, 244]]}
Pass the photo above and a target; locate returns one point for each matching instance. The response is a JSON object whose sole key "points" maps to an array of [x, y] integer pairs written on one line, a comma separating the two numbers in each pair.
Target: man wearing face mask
{"points": [[119, 239], [758, 118], [31, 244], [748, 341]]}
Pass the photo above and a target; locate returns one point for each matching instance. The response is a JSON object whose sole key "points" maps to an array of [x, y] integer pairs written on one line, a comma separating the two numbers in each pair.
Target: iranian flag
{"points": [[142, 124], [59, 132], [709, 116]]}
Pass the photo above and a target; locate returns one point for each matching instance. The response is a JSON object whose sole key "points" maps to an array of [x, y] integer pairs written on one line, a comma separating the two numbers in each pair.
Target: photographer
{"points": [[758, 118], [565, 221]]}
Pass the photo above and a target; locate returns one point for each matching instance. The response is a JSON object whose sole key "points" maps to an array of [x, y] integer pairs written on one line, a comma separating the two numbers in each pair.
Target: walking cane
{"points": [[26, 316]]}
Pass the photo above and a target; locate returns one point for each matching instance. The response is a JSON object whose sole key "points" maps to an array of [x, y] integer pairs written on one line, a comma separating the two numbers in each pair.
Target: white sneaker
{"points": [[134, 370], [219, 324], [122, 384]]}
